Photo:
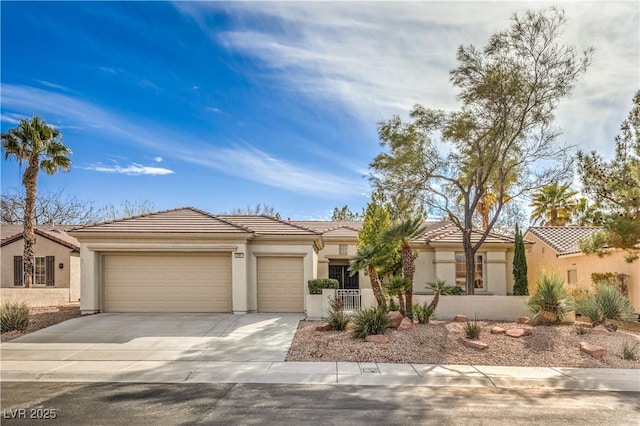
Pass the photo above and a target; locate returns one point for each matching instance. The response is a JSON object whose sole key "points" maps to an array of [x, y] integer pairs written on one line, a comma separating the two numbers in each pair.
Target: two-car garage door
{"points": [[167, 282]]}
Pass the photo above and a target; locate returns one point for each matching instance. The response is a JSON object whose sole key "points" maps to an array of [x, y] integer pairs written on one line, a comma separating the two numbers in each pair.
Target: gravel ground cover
{"points": [[44, 317]]}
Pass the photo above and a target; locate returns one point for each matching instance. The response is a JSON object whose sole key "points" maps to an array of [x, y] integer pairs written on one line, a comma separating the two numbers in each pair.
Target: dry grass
{"points": [[44, 317], [440, 343]]}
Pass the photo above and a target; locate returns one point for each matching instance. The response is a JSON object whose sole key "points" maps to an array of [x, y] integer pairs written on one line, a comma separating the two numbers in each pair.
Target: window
{"points": [[43, 271], [461, 273], [572, 276], [342, 249]]}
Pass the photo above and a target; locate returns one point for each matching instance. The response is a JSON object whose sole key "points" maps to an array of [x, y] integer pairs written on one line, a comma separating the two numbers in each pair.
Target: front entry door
{"points": [[342, 274]]}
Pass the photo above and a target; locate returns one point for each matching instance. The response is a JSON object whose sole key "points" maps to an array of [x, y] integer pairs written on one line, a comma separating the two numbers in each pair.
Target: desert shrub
{"points": [[629, 351], [581, 330], [423, 313], [337, 317], [393, 306], [370, 321], [472, 329], [550, 296], [577, 293], [607, 303], [316, 285], [14, 316]]}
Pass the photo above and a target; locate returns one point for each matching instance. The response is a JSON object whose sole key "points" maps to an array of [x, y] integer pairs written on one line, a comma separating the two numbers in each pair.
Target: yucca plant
{"points": [[423, 313], [589, 308], [472, 329], [607, 303], [629, 351], [550, 296], [370, 321], [14, 316]]}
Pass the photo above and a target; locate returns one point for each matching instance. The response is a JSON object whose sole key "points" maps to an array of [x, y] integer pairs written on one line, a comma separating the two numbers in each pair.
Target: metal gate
{"points": [[350, 299]]}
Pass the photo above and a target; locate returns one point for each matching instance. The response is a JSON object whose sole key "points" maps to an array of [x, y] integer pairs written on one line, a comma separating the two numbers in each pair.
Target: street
{"points": [[26, 403]]}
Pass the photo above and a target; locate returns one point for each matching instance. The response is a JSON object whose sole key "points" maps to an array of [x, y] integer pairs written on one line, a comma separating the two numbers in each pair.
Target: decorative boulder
{"points": [[544, 318], [523, 320], [396, 318], [405, 324], [497, 330], [593, 350], [476, 344], [518, 332], [325, 326], [600, 330], [461, 318], [379, 339]]}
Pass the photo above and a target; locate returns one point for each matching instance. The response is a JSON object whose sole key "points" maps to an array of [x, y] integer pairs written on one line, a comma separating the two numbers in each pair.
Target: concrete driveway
{"points": [[159, 337]]}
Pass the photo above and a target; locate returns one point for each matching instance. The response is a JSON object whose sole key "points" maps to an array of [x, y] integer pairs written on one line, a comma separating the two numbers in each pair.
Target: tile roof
{"points": [[323, 226], [447, 232], [57, 233], [268, 225], [563, 239], [181, 220]]}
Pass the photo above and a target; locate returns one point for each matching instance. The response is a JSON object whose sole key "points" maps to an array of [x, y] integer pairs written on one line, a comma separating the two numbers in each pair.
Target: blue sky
{"points": [[219, 105]]}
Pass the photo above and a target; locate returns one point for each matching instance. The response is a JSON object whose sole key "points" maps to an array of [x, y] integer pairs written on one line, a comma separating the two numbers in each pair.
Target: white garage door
{"points": [[167, 282], [280, 284]]}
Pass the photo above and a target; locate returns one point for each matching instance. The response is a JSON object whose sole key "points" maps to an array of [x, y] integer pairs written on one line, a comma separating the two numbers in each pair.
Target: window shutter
{"points": [[50, 271], [17, 270]]}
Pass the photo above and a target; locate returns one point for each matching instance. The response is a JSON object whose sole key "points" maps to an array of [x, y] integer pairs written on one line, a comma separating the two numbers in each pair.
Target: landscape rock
{"points": [[461, 318], [544, 318], [523, 320], [569, 318], [320, 342], [600, 330], [518, 332], [379, 339], [476, 344], [593, 350], [396, 318], [497, 330], [406, 324], [325, 326]]}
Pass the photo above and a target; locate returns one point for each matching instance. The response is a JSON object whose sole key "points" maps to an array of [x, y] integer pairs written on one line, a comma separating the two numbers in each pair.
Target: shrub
{"points": [[423, 313], [370, 321], [582, 330], [629, 351], [577, 293], [14, 316], [338, 319], [472, 329], [316, 285], [550, 296], [608, 303]]}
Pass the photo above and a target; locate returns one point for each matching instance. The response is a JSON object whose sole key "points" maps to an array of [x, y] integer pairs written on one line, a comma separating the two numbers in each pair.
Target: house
{"points": [[187, 260], [556, 250], [56, 278]]}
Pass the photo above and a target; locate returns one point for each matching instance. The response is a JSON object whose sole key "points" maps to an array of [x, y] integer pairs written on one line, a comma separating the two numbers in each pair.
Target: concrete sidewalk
{"points": [[336, 373]]}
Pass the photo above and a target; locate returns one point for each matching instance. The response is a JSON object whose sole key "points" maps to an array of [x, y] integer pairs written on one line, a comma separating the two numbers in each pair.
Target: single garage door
{"points": [[167, 282], [280, 284]]}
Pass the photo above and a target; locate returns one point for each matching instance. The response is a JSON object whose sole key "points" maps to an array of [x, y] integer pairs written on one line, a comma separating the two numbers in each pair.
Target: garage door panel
{"points": [[172, 282], [280, 284]]}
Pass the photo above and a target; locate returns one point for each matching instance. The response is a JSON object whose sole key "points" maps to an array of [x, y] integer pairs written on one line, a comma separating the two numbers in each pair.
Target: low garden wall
{"points": [[35, 297], [498, 308]]}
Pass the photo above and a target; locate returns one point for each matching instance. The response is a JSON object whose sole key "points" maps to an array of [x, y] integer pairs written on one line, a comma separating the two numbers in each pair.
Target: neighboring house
{"points": [[187, 260], [56, 278], [556, 250]]}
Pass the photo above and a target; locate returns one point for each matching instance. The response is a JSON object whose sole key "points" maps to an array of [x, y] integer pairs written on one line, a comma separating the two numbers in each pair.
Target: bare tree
{"points": [[257, 210], [52, 207], [127, 209]]}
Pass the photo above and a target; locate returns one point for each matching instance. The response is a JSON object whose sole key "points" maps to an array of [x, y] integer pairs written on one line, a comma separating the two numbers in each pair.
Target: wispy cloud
{"points": [[158, 159], [131, 170], [243, 161], [381, 59]]}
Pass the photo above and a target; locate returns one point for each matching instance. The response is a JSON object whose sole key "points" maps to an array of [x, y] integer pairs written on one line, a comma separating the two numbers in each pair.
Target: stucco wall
{"points": [[542, 257], [33, 297], [330, 254], [498, 308], [44, 247]]}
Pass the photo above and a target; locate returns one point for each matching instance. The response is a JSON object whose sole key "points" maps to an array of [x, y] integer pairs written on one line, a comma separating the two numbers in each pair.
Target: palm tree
{"points": [[40, 146], [369, 258], [553, 205], [398, 286], [586, 214], [402, 234]]}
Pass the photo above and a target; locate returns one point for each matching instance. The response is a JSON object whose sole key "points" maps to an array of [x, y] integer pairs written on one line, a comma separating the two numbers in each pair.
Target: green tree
{"points": [[502, 134], [39, 146], [615, 186], [520, 281], [553, 205], [399, 286], [402, 234], [345, 214], [369, 258], [586, 213]]}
